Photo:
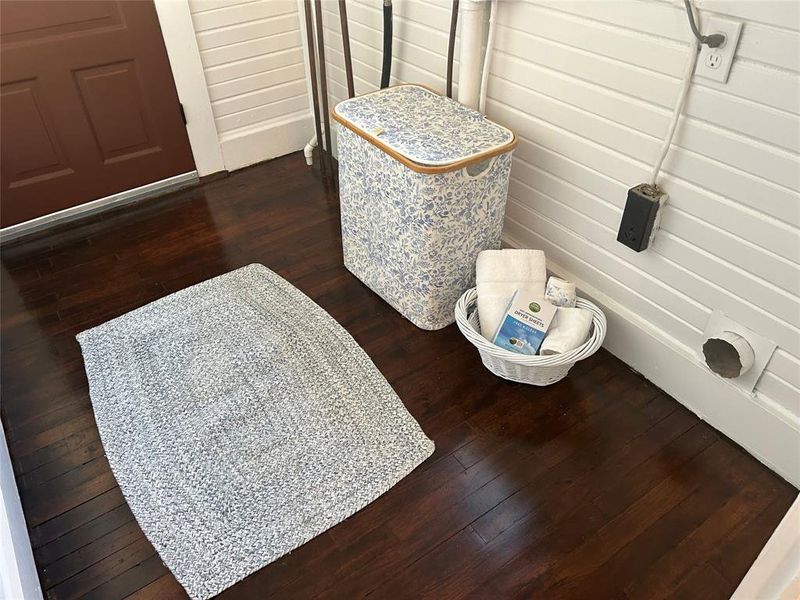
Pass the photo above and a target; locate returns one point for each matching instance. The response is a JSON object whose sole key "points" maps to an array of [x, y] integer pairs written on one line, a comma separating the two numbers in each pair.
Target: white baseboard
{"points": [[143, 192], [762, 427], [252, 145]]}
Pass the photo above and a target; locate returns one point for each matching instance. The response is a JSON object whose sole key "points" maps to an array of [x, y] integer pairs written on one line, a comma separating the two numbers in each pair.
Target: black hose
{"points": [[386, 72], [348, 60], [323, 81], [451, 48], [715, 40]]}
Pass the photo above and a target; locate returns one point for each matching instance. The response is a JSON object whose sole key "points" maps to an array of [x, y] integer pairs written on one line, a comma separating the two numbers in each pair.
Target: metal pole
{"points": [[323, 79], [312, 67]]}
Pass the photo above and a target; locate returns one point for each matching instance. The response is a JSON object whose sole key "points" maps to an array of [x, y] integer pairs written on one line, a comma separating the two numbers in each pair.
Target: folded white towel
{"points": [[569, 329], [560, 292], [498, 274]]}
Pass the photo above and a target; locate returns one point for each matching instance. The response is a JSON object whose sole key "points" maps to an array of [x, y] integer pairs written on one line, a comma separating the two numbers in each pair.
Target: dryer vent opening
{"points": [[728, 354]]}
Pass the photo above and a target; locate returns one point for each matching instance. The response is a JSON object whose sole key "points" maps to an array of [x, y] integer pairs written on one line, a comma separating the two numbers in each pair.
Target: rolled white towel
{"points": [[560, 292], [498, 274], [569, 329]]}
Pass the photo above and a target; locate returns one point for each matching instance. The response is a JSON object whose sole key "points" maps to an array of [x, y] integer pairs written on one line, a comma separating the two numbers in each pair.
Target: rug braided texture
{"points": [[241, 420]]}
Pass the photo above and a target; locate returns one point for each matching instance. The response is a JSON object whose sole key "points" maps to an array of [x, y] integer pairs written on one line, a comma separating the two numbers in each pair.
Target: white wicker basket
{"points": [[534, 370]]}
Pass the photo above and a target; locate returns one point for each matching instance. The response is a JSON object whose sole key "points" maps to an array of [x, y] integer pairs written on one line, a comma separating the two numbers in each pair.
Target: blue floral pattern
{"points": [[423, 126], [560, 293], [414, 238]]}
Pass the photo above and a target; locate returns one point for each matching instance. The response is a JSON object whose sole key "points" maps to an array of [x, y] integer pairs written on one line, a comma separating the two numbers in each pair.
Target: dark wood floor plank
{"points": [[597, 486], [557, 490], [577, 544], [612, 577], [29, 445], [703, 582], [63, 465], [103, 571], [741, 546], [163, 588], [91, 553], [615, 495], [514, 557], [544, 495], [83, 535], [667, 574], [132, 581], [55, 502], [68, 408], [76, 517], [57, 450], [627, 569], [635, 519]]}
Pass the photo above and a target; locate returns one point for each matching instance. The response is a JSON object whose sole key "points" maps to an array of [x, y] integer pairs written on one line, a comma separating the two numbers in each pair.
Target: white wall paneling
{"points": [[588, 86], [254, 65]]}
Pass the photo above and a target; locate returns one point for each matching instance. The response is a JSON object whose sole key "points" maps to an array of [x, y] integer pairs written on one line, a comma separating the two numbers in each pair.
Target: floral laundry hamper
{"points": [[423, 182]]}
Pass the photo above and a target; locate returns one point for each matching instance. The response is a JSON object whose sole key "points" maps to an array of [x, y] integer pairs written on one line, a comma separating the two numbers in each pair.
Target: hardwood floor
{"points": [[600, 486]]}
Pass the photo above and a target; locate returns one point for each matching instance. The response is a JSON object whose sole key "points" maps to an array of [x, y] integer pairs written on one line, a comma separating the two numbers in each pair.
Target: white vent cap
{"points": [[733, 351], [728, 354]]}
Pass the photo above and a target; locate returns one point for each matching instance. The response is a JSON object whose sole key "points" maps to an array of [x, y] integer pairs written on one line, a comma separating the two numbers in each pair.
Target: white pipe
{"points": [[469, 58], [487, 60], [309, 150]]}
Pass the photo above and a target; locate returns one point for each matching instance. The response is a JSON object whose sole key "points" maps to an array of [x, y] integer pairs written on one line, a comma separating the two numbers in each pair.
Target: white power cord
{"points": [[487, 59], [644, 206], [688, 71]]}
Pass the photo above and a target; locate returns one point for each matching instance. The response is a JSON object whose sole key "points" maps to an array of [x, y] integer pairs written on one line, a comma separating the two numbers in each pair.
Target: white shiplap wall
{"points": [[589, 86], [253, 58]]}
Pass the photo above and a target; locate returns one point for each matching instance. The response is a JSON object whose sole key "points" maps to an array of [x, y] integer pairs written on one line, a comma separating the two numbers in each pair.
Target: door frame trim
{"points": [[776, 571], [177, 31], [18, 577], [149, 190]]}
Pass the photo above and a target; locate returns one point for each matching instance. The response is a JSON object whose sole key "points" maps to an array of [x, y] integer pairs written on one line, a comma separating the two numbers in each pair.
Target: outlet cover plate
{"points": [[715, 63], [762, 349]]}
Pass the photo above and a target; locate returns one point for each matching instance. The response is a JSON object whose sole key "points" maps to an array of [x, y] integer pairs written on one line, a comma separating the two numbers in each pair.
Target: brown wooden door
{"points": [[88, 105]]}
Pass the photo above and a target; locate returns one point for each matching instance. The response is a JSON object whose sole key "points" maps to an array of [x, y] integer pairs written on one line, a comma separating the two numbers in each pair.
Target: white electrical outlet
{"points": [[715, 63]]}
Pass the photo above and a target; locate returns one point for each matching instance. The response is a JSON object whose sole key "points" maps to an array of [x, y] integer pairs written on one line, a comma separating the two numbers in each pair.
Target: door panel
{"points": [[38, 156], [113, 99], [38, 21], [87, 103]]}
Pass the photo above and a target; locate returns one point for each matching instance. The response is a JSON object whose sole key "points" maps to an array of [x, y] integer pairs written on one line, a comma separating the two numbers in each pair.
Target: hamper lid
{"points": [[426, 131]]}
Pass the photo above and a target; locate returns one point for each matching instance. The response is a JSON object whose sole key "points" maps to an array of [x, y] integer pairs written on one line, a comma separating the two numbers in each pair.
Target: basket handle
{"points": [[480, 168]]}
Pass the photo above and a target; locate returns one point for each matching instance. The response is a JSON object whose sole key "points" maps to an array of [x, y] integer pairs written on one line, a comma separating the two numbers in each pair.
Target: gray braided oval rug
{"points": [[241, 420]]}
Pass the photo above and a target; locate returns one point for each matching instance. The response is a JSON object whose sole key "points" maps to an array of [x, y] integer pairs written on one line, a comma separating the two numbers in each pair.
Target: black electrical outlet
{"points": [[640, 216]]}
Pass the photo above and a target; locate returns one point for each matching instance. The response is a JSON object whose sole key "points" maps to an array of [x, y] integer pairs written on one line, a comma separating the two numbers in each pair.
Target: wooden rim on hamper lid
{"points": [[414, 166]]}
